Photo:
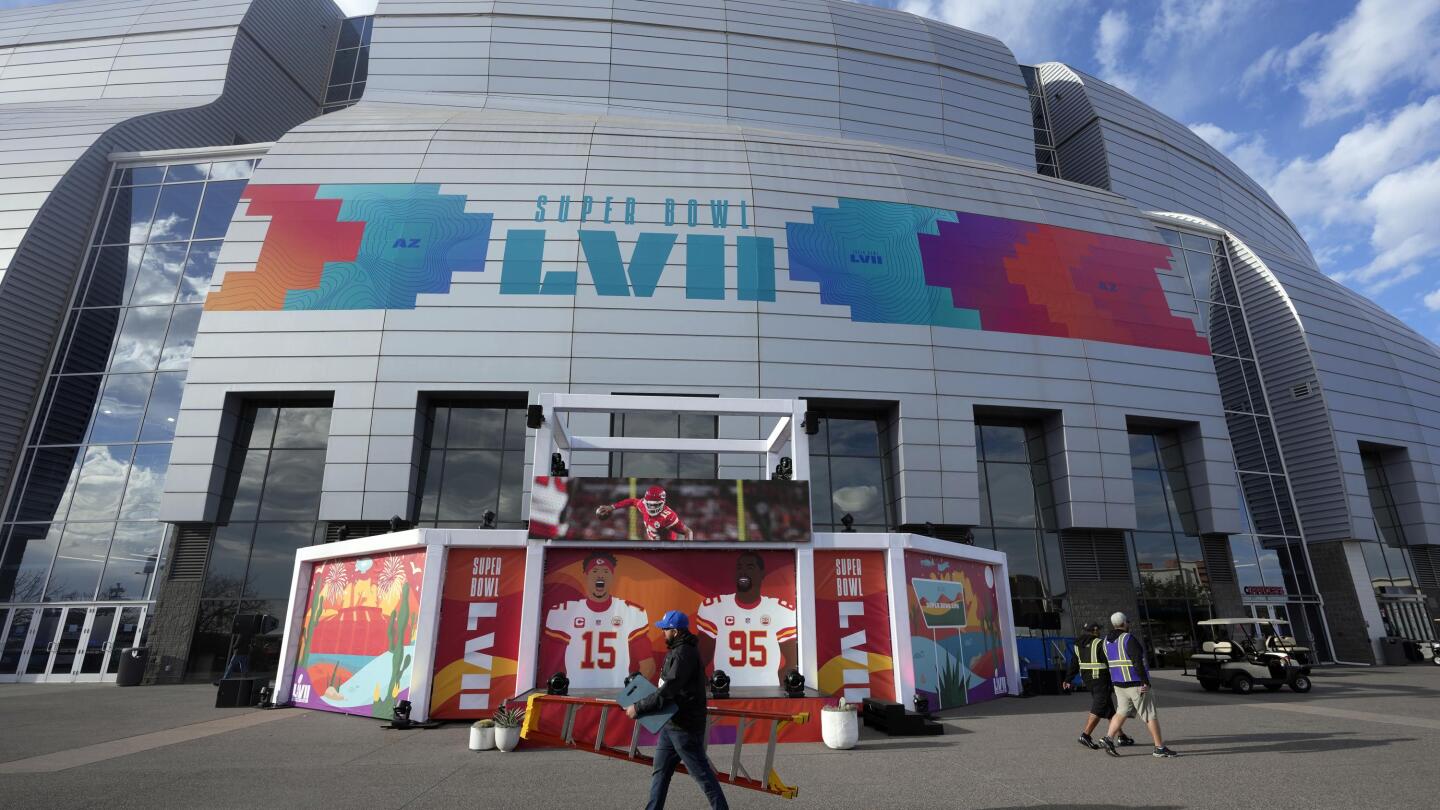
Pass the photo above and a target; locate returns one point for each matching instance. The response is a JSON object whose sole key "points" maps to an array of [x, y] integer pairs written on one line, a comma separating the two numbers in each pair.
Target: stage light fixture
{"points": [[794, 684], [487, 520], [720, 685], [922, 704], [534, 417], [557, 466], [929, 529], [784, 471], [396, 524], [342, 533], [558, 684], [848, 521], [400, 718], [811, 423]]}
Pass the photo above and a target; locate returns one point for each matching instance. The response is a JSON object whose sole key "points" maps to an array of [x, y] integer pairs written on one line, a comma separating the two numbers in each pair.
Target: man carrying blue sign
{"points": [[682, 739]]}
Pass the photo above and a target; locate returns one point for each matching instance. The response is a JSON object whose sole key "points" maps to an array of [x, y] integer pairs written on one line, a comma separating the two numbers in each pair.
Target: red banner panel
{"points": [[478, 639], [669, 510], [601, 607], [852, 625]]}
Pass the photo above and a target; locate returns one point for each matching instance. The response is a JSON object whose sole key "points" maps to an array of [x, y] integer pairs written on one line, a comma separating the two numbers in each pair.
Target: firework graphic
{"points": [[392, 578], [337, 578]]}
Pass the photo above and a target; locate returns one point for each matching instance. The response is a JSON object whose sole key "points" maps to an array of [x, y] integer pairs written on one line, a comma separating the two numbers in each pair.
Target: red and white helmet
{"points": [[654, 500]]}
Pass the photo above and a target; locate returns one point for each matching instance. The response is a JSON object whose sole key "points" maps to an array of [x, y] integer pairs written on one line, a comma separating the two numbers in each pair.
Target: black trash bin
{"points": [[1392, 651], [132, 666]]}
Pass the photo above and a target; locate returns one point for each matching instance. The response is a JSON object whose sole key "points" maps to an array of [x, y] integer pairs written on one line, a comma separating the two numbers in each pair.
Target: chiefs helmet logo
{"points": [[579, 621], [729, 621], [765, 620], [615, 620]]}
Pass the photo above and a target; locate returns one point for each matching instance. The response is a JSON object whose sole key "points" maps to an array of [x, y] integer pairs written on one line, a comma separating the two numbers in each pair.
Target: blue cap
{"points": [[673, 620]]}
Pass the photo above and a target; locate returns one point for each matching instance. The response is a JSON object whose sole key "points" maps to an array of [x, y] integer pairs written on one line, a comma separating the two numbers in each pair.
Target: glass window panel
{"points": [[117, 419], [357, 90], [272, 558], [231, 170], [350, 33], [187, 172], [90, 347], [337, 92], [512, 482], [1245, 440], [472, 427], [1222, 332], [303, 426], [1003, 443], [1143, 455], [369, 28], [820, 503], [1247, 567], [262, 426], [649, 465], [1232, 384], [1271, 566], [164, 407], [1012, 495], [858, 487], [147, 481], [130, 215], [1196, 271], [142, 175], [1252, 384], [70, 409], [218, 208], [472, 484], [79, 562], [141, 338], [27, 561], [696, 426], [113, 274], [653, 425], [430, 487], [438, 427], [983, 476], [854, 437], [342, 69], [1192, 242], [1170, 237], [514, 429], [1152, 510], [251, 479], [210, 646], [697, 465], [180, 340], [1195, 577], [292, 485], [362, 71], [49, 484], [102, 482], [1024, 558], [1054, 564], [1157, 562], [175, 213], [1260, 497], [159, 274], [14, 641], [229, 553]]}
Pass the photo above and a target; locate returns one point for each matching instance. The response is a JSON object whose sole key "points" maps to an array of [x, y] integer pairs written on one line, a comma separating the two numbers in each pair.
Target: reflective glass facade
{"points": [[848, 473], [351, 65], [1391, 568], [664, 426], [1046, 160], [81, 524], [473, 462]]}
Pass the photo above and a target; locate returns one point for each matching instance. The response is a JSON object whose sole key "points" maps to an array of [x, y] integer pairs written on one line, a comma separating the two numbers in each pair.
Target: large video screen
{"points": [[669, 510]]}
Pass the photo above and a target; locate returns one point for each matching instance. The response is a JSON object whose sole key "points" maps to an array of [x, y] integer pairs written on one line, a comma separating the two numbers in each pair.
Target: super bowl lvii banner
{"points": [[852, 625], [478, 639]]}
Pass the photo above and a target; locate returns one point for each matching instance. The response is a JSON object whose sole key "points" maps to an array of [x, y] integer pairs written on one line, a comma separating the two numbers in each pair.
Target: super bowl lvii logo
{"points": [[380, 246]]}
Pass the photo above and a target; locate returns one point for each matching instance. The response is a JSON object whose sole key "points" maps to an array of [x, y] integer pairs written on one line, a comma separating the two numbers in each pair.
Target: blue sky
{"points": [[1332, 105]]}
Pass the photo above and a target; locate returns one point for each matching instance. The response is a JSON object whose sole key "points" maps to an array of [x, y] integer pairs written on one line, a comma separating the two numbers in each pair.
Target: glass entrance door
{"points": [[66, 644]]}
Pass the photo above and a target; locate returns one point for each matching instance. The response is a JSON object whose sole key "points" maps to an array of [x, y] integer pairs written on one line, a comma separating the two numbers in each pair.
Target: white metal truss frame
{"points": [[555, 436]]}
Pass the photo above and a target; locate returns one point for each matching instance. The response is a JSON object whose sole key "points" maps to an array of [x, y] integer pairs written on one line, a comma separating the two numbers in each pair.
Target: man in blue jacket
{"points": [[1125, 661], [682, 739]]}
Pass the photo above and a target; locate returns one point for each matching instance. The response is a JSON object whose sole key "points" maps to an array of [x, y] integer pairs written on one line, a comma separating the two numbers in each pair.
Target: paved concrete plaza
{"points": [[1362, 738]]}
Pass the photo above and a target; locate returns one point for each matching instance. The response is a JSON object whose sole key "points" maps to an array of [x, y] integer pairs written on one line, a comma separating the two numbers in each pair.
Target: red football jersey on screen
{"points": [[655, 525]]}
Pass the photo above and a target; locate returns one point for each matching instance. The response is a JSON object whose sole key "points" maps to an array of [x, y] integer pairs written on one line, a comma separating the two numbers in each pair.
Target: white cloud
{"points": [[1111, 35], [1403, 205], [1032, 29], [1380, 43], [1432, 301]]}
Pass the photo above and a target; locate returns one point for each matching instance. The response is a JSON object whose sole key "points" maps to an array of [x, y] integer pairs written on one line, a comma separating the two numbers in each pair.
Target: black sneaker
{"points": [[1164, 752], [1110, 746], [1086, 741], [1125, 739]]}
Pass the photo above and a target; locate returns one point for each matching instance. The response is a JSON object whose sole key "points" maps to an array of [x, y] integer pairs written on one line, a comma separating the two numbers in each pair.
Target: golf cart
{"points": [[1239, 655]]}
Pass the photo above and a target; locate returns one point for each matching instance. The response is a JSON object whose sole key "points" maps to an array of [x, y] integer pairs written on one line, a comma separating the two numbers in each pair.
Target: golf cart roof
{"points": [[1243, 620]]}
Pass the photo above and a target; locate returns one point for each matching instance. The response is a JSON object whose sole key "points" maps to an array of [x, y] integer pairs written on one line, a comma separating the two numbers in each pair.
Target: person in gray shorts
{"points": [[1125, 661]]}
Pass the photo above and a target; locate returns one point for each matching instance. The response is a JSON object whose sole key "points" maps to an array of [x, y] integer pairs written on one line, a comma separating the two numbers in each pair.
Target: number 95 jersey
{"points": [[598, 639], [748, 637]]}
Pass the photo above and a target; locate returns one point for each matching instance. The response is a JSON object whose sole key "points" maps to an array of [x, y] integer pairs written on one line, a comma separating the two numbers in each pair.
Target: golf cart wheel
{"points": [[1272, 687], [1242, 684], [1435, 659], [1300, 683], [1210, 684]]}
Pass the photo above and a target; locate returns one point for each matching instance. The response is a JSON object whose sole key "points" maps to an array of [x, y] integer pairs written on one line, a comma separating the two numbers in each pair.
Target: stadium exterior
{"points": [[270, 278]]}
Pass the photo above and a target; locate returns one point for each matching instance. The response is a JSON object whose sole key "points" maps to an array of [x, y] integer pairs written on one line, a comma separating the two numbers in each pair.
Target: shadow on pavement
{"points": [[1279, 744], [1095, 806]]}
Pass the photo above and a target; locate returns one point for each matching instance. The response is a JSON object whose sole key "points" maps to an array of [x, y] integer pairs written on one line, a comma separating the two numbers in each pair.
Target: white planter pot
{"points": [[482, 738], [507, 738], [839, 729]]}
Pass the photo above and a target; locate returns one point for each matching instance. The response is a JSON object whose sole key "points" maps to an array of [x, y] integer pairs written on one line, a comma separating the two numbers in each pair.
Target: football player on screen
{"points": [[603, 636], [661, 522], [751, 637]]}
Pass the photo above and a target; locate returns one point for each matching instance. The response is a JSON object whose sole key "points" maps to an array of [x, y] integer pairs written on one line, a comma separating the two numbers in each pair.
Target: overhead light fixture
{"points": [[557, 466], [558, 684], [784, 471], [487, 520], [720, 685], [848, 521], [795, 684]]}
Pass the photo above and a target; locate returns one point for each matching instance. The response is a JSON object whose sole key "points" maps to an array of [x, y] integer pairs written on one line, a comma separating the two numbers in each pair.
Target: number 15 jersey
{"points": [[748, 637], [598, 638]]}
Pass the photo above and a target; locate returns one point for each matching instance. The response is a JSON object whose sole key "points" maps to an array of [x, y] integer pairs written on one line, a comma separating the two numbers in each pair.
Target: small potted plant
{"points": [[840, 725], [507, 727], [482, 735]]}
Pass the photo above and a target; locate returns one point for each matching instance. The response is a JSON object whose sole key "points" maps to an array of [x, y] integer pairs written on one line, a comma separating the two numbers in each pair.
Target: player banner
{"points": [[601, 607], [669, 510], [852, 625], [477, 642], [955, 642], [357, 640]]}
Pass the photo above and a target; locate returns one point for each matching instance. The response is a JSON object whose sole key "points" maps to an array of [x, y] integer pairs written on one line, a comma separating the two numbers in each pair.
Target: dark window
{"points": [[350, 65], [648, 424], [472, 462], [849, 473]]}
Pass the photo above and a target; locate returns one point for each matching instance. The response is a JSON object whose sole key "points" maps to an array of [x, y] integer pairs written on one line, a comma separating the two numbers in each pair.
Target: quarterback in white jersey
{"points": [[604, 637], [749, 636]]}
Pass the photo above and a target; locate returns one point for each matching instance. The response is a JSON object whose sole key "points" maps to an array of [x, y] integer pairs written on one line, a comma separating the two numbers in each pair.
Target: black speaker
{"points": [[812, 423], [534, 417], [238, 693]]}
